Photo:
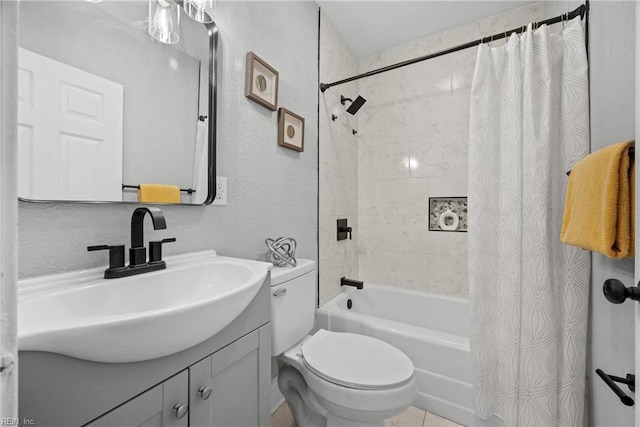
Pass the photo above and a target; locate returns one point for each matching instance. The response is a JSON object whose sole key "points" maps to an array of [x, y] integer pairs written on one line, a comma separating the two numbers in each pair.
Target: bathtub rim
{"points": [[332, 309], [373, 285]]}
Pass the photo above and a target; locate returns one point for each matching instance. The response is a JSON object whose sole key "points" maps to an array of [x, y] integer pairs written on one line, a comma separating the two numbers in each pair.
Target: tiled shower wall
{"points": [[338, 164], [411, 145]]}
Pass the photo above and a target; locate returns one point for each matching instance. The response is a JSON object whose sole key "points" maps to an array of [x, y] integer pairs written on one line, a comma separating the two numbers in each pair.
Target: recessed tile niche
{"points": [[442, 210]]}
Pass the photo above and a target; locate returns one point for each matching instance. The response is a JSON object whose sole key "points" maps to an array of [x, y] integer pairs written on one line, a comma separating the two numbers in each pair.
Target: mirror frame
{"points": [[212, 31]]}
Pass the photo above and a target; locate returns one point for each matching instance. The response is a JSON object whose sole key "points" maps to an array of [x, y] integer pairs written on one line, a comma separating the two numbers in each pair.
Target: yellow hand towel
{"points": [[158, 193], [600, 203]]}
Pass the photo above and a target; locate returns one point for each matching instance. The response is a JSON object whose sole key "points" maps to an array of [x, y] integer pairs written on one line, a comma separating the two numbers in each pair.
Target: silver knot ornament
{"points": [[281, 251]]}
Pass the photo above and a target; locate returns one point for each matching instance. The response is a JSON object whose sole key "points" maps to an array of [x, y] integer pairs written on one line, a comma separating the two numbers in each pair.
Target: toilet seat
{"points": [[356, 361], [347, 401]]}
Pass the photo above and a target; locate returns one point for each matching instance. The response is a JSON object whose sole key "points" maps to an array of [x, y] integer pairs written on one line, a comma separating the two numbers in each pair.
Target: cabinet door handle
{"points": [[204, 392], [280, 293], [180, 410]]}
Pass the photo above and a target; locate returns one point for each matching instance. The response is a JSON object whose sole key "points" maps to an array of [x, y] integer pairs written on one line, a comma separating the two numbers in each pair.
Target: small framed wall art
{"points": [[261, 82], [290, 130]]}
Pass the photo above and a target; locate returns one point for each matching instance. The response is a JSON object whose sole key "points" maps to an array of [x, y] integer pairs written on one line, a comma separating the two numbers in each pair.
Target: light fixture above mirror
{"points": [[164, 17], [196, 10], [164, 21]]}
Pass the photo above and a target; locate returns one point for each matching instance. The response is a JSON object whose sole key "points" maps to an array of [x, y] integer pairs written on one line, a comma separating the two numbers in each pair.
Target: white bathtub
{"points": [[433, 330]]}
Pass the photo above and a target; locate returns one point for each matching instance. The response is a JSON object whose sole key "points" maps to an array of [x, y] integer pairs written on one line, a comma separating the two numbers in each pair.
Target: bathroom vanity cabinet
{"points": [[222, 381], [220, 390], [155, 407]]}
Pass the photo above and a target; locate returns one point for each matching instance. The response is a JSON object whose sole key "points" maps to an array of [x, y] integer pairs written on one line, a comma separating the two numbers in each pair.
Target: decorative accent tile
{"points": [[440, 205]]}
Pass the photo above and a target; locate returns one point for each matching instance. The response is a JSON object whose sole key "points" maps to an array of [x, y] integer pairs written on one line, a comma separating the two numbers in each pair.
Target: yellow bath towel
{"points": [[600, 204], [158, 193]]}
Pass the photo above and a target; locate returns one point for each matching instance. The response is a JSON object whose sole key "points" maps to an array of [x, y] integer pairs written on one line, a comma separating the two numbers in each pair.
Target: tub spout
{"points": [[350, 282]]}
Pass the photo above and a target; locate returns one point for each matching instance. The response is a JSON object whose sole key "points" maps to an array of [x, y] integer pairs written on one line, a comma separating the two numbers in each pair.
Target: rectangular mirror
{"points": [[104, 107]]}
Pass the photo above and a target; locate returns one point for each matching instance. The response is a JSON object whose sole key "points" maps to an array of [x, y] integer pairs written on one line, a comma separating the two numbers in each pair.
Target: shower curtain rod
{"points": [[579, 11]]}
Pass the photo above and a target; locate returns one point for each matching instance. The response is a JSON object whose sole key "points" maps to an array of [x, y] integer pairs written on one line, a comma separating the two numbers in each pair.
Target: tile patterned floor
{"points": [[282, 417], [412, 417]]}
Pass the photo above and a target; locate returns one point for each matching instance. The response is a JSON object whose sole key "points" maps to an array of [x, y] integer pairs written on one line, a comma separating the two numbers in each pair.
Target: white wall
{"points": [[611, 340], [272, 191]]}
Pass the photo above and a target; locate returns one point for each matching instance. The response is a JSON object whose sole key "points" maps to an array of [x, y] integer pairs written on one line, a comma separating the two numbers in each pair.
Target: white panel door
{"points": [[69, 132]]}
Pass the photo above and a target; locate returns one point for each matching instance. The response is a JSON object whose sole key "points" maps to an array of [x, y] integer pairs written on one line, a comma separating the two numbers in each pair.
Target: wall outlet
{"points": [[221, 191]]}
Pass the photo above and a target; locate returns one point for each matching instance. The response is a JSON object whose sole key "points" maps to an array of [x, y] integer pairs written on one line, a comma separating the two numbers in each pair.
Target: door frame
{"points": [[8, 209], [637, 214]]}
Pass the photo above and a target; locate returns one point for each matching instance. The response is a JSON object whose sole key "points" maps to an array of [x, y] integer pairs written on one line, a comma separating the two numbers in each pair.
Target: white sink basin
{"points": [[136, 318]]}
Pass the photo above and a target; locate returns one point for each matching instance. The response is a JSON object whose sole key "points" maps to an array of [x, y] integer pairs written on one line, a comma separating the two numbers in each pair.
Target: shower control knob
{"points": [[204, 392], [180, 410], [616, 292]]}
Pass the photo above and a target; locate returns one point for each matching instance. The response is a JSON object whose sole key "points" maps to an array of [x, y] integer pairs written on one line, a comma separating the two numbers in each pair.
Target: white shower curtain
{"points": [[529, 292]]}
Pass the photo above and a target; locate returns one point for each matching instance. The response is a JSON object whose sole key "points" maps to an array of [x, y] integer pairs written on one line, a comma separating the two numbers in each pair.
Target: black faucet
{"points": [[350, 282], [137, 253]]}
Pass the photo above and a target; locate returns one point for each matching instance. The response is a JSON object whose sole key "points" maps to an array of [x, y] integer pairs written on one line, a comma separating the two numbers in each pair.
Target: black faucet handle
{"points": [[155, 249], [345, 230], [116, 254]]}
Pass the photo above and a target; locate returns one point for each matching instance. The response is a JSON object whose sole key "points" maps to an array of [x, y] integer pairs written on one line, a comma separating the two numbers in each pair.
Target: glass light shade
{"points": [[164, 21], [196, 10]]}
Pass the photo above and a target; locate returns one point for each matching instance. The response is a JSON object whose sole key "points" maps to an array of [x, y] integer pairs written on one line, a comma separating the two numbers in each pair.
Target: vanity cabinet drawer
{"points": [[165, 405]]}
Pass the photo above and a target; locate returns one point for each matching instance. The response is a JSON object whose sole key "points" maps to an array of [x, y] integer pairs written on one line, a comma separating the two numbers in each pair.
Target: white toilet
{"points": [[330, 378]]}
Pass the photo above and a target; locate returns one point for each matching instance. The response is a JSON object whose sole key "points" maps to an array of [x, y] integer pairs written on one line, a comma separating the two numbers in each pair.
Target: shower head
{"points": [[355, 105]]}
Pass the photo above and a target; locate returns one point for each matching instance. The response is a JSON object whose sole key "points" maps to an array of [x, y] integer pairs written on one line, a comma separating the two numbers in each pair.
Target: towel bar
{"points": [[137, 187], [632, 154]]}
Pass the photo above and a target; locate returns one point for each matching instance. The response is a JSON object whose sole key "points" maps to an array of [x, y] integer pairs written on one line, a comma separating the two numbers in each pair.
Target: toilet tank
{"points": [[293, 304]]}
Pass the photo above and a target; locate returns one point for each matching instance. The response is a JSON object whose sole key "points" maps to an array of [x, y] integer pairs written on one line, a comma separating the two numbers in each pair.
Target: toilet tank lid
{"points": [[284, 274]]}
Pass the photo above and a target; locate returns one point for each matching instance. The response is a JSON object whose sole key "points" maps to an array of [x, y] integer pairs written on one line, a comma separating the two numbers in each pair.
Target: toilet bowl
{"points": [[331, 378]]}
